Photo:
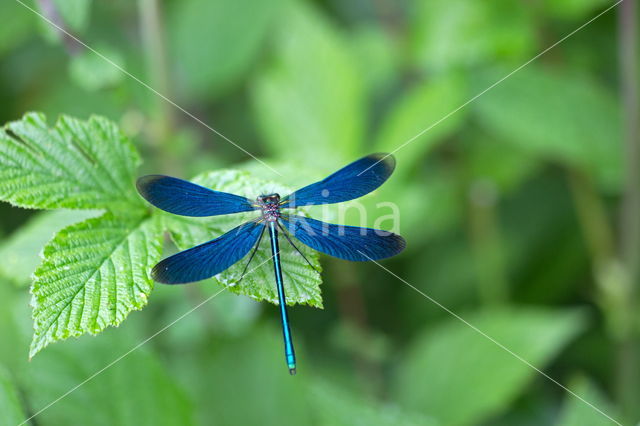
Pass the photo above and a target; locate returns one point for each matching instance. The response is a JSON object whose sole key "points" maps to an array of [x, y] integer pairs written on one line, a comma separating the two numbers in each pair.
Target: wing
{"points": [[178, 196], [208, 259], [352, 181], [344, 242]]}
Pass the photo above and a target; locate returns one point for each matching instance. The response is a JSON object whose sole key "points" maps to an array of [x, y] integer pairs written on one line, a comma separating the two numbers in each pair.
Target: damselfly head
{"points": [[270, 205], [269, 199]]}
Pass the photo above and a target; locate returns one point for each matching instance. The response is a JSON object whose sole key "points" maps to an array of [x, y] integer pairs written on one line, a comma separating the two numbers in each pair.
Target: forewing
{"points": [[208, 259], [344, 242], [352, 181], [184, 198]]}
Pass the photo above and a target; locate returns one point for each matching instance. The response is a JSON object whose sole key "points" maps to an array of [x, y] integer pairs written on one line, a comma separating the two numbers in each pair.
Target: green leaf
{"points": [[301, 282], [20, 253], [91, 72], [577, 413], [461, 364], [244, 381], [231, 315], [419, 109], [93, 274], [572, 8], [567, 118], [453, 33], [137, 390], [75, 13], [11, 412], [15, 30], [233, 32], [335, 406], [72, 15], [77, 164], [313, 97], [60, 94], [501, 164], [377, 55]]}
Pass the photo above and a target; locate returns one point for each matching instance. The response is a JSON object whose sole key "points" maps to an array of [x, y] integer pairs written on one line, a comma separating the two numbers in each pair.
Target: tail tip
{"points": [[292, 370]]}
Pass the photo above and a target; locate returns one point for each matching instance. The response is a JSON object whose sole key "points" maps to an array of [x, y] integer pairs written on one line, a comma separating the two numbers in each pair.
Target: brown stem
{"points": [[629, 350], [630, 212]]}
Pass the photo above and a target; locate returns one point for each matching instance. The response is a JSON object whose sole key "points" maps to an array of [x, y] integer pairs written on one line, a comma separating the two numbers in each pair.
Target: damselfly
{"points": [[184, 198]]}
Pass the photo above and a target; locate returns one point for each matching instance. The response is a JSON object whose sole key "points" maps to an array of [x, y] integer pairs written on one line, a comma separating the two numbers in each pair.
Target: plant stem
{"points": [[486, 242], [630, 213], [628, 371], [593, 219], [152, 32], [612, 281]]}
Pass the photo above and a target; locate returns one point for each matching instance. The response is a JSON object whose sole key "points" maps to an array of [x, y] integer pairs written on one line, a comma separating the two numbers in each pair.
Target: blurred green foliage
{"points": [[509, 206]]}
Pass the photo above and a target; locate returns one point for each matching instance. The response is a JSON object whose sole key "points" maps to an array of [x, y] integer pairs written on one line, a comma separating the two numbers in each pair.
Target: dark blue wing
{"points": [[344, 242], [208, 259], [352, 181], [178, 196]]}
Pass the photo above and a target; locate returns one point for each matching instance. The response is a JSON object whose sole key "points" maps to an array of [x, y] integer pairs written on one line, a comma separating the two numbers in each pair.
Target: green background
{"points": [[516, 208]]}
